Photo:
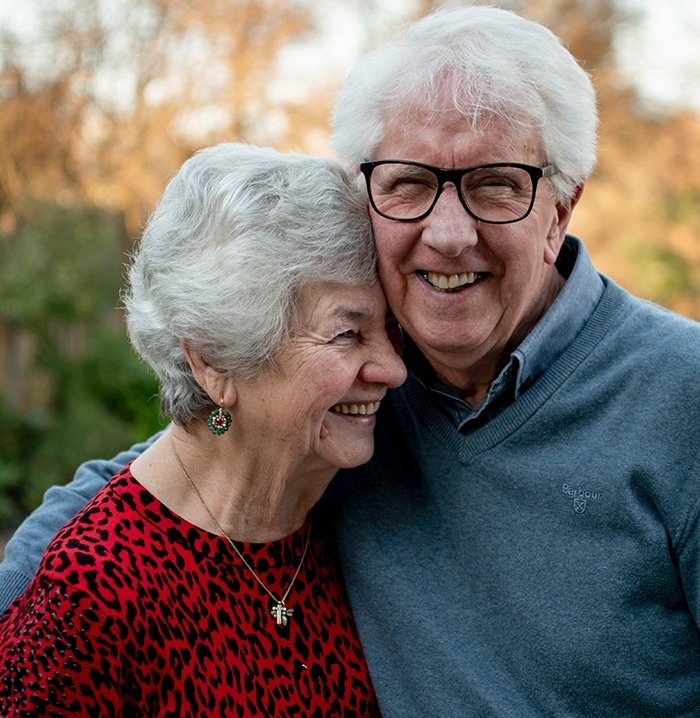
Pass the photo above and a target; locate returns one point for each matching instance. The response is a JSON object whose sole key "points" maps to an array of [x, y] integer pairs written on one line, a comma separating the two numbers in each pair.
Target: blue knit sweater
{"points": [[546, 564]]}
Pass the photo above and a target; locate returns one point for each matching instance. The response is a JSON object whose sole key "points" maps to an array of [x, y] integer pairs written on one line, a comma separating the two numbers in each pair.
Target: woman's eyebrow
{"points": [[350, 313]]}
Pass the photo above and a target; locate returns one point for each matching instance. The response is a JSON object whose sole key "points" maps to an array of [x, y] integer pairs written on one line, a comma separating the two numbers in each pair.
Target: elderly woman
{"points": [[196, 582]]}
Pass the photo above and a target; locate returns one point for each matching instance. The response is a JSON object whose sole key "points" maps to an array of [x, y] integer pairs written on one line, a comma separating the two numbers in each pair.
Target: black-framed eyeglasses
{"points": [[497, 193]]}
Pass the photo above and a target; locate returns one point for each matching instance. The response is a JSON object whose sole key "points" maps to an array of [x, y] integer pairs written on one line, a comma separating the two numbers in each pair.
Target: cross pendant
{"points": [[281, 613]]}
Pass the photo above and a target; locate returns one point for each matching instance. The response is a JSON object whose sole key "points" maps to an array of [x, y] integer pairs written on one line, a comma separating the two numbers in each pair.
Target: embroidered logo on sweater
{"points": [[580, 497]]}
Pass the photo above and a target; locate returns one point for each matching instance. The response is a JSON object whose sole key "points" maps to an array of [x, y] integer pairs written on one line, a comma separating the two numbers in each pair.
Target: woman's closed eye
{"points": [[348, 334]]}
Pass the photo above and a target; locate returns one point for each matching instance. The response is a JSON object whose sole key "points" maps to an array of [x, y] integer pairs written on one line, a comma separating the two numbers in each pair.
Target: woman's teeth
{"points": [[362, 409]]}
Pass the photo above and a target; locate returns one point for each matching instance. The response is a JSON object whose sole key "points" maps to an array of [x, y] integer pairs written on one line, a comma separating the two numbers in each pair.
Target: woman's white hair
{"points": [[239, 232], [490, 63]]}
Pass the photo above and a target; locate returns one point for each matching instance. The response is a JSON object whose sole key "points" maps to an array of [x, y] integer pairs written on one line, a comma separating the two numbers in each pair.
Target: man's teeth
{"points": [[451, 281], [363, 409]]}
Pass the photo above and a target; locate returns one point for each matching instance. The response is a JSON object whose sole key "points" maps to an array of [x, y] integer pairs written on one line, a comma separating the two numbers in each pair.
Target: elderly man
{"points": [[524, 541]]}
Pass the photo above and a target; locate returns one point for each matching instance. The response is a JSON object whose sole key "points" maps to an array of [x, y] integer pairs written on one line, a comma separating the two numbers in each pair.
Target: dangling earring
{"points": [[219, 421]]}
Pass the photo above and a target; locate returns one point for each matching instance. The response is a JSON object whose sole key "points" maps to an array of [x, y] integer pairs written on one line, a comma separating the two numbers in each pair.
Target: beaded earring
{"points": [[219, 421]]}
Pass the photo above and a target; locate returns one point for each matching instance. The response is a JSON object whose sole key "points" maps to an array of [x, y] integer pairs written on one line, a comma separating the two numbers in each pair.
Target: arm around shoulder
{"points": [[25, 549]]}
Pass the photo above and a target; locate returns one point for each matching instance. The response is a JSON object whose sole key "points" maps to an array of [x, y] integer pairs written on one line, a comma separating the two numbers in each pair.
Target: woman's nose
{"points": [[385, 366]]}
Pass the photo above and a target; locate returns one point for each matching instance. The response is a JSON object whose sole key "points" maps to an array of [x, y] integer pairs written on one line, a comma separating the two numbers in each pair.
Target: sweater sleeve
{"points": [[54, 660], [25, 549]]}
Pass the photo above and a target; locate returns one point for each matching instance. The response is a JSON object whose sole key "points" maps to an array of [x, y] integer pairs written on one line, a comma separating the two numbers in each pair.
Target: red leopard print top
{"points": [[135, 612]]}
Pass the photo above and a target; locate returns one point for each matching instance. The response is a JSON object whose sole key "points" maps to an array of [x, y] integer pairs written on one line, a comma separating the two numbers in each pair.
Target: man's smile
{"points": [[451, 282]]}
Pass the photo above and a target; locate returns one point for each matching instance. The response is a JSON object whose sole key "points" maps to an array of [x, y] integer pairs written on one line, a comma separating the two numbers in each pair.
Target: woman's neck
{"points": [[252, 495]]}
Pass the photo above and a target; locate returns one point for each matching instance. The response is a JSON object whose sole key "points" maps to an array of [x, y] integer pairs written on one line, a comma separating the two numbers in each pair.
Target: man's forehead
{"points": [[420, 138]]}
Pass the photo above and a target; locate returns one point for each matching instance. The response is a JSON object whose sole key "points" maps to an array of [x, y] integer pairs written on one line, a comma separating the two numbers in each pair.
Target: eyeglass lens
{"points": [[493, 194]]}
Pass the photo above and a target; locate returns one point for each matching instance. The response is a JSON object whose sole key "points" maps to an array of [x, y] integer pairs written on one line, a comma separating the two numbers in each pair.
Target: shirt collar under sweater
{"points": [[549, 338]]}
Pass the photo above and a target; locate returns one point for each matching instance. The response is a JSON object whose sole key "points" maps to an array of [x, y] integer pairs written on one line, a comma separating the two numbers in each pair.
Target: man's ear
{"points": [[560, 223], [218, 384]]}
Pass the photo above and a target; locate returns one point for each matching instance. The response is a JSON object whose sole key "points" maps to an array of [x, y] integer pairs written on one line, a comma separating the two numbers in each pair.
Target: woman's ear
{"points": [[218, 384]]}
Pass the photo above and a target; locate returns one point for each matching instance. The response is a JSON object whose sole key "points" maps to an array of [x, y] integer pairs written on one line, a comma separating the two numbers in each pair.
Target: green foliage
{"points": [[85, 393], [668, 276], [683, 206]]}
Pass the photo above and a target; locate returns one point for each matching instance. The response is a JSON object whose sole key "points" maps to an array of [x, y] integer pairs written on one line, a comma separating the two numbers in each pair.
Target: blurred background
{"points": [[102, 100]]}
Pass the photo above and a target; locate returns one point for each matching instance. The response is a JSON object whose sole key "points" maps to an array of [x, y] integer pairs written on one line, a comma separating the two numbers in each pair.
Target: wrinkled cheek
{"points": [[396, 289], [388, 264], [302, 430], [388, 278]]}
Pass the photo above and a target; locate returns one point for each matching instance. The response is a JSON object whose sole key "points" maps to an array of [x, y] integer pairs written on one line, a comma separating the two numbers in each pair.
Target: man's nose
{"points": [[449, 228]]}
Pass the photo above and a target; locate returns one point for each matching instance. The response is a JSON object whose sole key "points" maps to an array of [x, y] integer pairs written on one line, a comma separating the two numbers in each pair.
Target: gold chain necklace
{"points": [[279, 612]]}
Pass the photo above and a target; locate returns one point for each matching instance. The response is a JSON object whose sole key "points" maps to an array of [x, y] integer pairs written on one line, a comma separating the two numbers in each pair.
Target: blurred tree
{"points": [[125, 90], [72, 386]]}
